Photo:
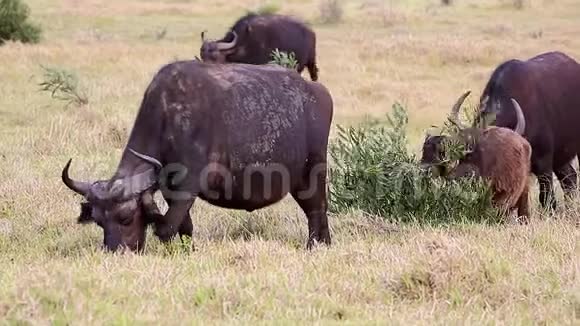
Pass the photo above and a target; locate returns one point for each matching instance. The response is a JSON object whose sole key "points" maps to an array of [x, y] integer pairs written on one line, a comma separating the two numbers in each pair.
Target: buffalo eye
{"points": [[125, 219], [124, 216], [124, 213]]}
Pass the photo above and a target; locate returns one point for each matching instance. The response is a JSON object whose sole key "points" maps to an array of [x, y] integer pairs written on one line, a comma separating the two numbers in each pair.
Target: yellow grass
{"points": [[252, 267]]}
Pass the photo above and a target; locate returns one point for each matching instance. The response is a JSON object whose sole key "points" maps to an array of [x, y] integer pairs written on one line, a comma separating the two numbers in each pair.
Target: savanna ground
{"points": [[252, 267]]}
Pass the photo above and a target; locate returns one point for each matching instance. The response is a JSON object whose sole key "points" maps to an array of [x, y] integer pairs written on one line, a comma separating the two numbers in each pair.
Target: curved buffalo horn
{"points": [[454, 116], [521, 125], [203, 35], [147, 158], [81, 188], [228, 45]]}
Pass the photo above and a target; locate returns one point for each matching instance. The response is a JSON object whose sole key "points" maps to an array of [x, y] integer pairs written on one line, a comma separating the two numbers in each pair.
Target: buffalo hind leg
{"points": [[315, 210], [313, 70], [568, 179], [312, 200]]}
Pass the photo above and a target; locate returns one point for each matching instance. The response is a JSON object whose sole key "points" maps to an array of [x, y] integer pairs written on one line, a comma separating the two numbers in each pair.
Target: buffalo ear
{"points": [[86, 214], [150, 210]]}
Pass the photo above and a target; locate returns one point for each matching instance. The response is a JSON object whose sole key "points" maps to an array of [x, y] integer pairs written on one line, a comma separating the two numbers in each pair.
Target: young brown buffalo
{"points": [[499, 155]]}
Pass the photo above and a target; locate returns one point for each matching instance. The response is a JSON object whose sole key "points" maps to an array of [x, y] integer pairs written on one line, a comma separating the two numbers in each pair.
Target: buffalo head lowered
{"points": [[122, 207], [434, 151]]}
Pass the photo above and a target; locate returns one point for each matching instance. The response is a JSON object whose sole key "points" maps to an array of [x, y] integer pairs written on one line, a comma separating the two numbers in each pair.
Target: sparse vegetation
{"points": [[251, 268], [63, 85], [268, 8], [284, 59], [14, 24], [518, 4], [330, 11], [160, 34]]}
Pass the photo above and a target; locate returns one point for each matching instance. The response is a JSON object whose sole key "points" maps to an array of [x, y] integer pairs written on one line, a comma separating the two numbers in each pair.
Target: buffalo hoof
{"points": [[324, 239]]}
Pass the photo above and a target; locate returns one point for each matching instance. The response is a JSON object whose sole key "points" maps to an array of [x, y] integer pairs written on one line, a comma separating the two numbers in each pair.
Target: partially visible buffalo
{"points": [[499, 155], [237, 136], [254, 37], [548, 89]]}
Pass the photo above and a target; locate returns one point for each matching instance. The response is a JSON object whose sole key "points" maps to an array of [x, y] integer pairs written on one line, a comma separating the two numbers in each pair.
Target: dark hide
{"points": [[502, 157], [548, 89], [499, 155], [237, 136], [256, 36]]}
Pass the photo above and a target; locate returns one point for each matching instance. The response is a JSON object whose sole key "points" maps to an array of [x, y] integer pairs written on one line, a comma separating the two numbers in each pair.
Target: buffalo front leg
{"points": [[312, 199], [523, 206], [179, 188], [186, 229], [313, 71], [177, 219], [568, 179], [186, 226]]}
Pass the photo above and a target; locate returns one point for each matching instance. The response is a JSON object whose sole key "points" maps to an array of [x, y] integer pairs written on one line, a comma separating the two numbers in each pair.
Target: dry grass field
{"points": [[252, 267]]}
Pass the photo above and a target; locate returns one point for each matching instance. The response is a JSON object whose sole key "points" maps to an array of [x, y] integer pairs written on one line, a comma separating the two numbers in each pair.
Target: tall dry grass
{"points": [[253, 267]]}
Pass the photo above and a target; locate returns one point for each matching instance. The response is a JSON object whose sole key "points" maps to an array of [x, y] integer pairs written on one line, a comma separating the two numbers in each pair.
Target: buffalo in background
{"points": [[548, 89], [253, 38]]}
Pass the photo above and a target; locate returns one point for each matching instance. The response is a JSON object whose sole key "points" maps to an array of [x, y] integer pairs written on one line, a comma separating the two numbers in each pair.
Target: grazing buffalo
{"points": [[237, 136], [548, 89], [254, 37], [499, 155]]}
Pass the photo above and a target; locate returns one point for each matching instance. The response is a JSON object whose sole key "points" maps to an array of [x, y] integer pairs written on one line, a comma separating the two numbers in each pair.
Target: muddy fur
{"points": [[502, 157]]}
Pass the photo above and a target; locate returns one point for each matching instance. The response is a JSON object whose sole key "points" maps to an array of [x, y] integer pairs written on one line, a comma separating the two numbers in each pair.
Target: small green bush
{"points": [[267, 8], [63, 85], [287, 60], [372, 170], [14, 25]]}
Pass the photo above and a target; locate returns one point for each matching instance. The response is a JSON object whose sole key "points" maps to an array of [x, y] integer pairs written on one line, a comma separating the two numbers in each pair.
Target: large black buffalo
{"points": [[237, 136], [253, 38], [548, 89]]}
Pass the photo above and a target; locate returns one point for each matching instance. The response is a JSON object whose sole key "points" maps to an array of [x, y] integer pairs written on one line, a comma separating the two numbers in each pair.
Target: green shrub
{"points": [[267, 8], [63, 85], [287, 60], [372, 170], [14, 25]]}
